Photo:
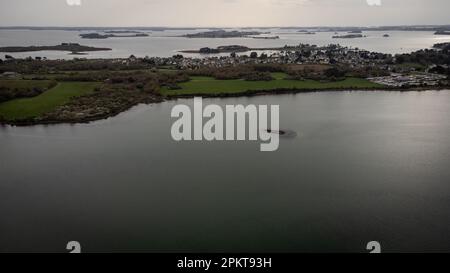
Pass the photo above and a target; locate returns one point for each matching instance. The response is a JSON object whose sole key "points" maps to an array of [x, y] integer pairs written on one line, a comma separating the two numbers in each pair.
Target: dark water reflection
{"points": [[364, 166]]}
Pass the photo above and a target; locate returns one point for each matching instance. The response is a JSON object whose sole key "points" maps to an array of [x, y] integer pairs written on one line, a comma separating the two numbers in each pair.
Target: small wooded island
{"points": [[220, 49], [348, 36], [111, 35], [70, 47], [224, 34]]}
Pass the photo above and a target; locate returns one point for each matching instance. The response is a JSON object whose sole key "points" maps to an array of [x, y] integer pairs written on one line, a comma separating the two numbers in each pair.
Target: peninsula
{"points": [[70, 47]]}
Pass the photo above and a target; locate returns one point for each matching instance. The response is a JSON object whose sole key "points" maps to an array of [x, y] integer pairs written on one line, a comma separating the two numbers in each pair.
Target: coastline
{"points": [[252, 93], [36, 121]]}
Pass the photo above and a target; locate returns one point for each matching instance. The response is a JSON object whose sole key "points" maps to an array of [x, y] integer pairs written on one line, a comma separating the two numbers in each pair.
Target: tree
{"points": [[438, 70], [258, 76], [334, 72], [400, 59], [254, 55]]}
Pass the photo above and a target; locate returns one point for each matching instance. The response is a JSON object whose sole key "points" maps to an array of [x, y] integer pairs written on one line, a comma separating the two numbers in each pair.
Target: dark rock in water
{"points": [[283, 133]]}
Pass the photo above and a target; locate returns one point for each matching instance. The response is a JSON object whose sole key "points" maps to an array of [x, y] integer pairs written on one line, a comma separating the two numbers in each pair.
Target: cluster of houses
{"points": [[301, 54], [415, 79]]}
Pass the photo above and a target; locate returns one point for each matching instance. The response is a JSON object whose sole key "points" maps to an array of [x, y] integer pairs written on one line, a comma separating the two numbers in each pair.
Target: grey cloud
{"points": [[222, 13]]}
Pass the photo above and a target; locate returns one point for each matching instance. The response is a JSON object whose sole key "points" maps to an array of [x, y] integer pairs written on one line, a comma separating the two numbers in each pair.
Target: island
{"points": [[224, 34], [442, 32], [70, 47], [220, 49], [106, 36], [266, 37], [348, 36], [123, 32], [306, 32], [239, 49]]}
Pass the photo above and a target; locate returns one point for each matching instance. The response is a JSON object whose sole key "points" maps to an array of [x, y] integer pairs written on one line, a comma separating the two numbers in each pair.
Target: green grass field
{"points": [[207, 85], [46, 102]]}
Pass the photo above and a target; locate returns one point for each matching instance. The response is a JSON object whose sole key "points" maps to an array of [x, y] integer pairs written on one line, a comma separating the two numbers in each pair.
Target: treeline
{"points": [[262, 72], [235, 72], [256, 72], [439, 69], [438, 56], [9, 93], [148, 82], [29, 66]]}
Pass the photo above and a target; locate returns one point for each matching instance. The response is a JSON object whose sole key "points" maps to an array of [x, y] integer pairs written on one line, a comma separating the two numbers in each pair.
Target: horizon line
{"points": [[213, 27]]}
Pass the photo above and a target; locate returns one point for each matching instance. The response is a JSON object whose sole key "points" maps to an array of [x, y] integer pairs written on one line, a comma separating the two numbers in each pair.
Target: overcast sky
{"points": [[222, 13]]}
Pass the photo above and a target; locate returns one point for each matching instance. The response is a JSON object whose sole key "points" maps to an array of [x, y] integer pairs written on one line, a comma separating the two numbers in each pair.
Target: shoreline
{"points": [[252, 93], [31, 122]]}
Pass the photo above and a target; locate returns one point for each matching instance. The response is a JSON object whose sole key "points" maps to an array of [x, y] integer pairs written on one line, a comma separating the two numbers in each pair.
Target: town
{"points": [[378, 67], [300, 54]]}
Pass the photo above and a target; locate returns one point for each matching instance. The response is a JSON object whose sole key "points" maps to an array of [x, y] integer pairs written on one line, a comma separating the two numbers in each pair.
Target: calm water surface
{"points": [[365, 166], [165, 43]]}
